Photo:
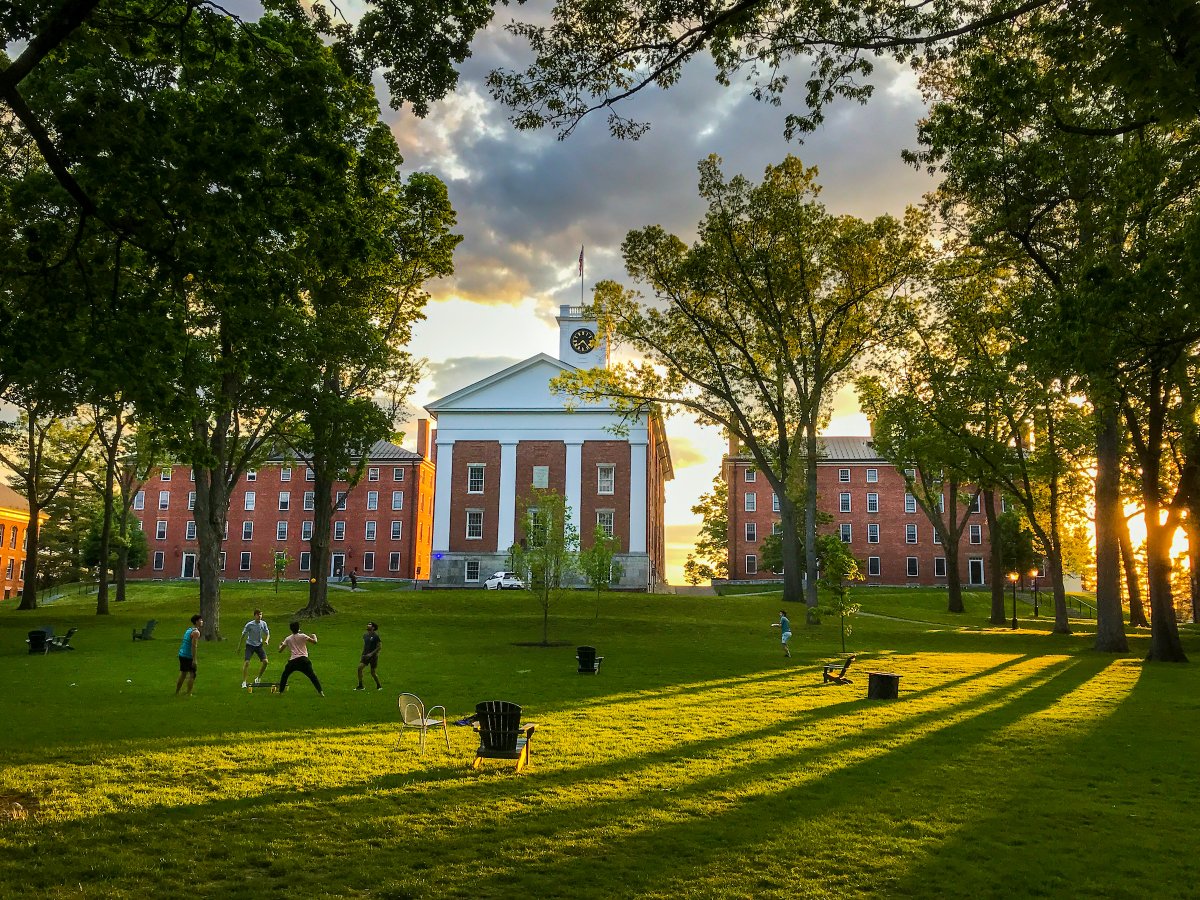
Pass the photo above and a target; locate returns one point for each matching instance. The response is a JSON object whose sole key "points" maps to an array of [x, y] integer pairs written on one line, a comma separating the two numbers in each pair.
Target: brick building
{"points": [[14, 525], [383, 529], [871, 510], [506, 434]]}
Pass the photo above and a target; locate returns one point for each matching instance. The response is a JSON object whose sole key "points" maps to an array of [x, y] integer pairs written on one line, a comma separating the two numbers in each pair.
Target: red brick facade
{"points": [[606, 453], [890, 536]]}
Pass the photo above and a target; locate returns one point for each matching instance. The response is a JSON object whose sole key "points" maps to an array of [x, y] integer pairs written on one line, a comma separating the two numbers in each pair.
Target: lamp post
{"points": [[1012, 577], [1033, 574]]}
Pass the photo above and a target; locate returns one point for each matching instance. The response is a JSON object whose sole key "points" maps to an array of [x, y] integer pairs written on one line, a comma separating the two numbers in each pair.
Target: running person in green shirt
{"points": [[785, 629]]}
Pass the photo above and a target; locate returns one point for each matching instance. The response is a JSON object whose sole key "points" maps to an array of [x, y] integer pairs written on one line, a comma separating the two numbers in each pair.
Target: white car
{"points": [[502, 581]]}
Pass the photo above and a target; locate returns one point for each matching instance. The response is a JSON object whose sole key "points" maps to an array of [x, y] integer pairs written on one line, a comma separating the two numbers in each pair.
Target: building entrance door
{"points": [[975, 570], [337, 564], [189, 566]]}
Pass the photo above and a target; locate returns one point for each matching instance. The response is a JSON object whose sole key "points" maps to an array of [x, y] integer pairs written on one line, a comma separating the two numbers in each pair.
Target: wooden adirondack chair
{"points": [[589, 662], [832, 672], [501, 734], [147, 633], [61, 643], [37, 641]]}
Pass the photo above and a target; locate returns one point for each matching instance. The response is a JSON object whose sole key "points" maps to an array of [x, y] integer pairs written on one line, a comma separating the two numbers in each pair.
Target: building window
{"points": [[373, 474], [937, 537], [341, 501], [305, 561], [910, 534], [306, 529], [164, 499], [247, 531], [285, 500], [844, 476], [475, 478], [249, 500], [369, 530], [160, 530], [774, 502], [541, 476], [397, 529], [941, 503], [244, 564], [225, 531], [369, 561], [872, 503], [604, 521], [285, 474], [977, 503], [160, 560], [846, 531], [474, 524], [339, 531], [776, 528], [1003, 504], [251, 475], [872, 476], [397, 474], [939, 567], [397, 499], [873, 533], [471, 572], [910, 474], [139, 500], [976, 534], [751, 474], [310, 474], [189, 530], [281, 531], [191, 499], [751, 564], [751, 533], [910, 503], [221, 560], [912, 567], [751, 501], [191, 475], [165, 475], [393, 562], [844, 501], [372, 499], [310, 500], [873, 566], [606, 479]]}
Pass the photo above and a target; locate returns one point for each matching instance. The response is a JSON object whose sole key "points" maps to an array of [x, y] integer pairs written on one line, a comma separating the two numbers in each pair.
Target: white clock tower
{"points": [[580, 342]]}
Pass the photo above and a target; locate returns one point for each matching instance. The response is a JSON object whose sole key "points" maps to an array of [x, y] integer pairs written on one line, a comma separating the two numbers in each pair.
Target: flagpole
{"points": [[581, 303]]}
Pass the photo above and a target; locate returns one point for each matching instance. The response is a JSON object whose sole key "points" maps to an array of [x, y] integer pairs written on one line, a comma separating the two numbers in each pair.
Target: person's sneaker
{"points": [[257, 681], [379, 687], [243, 684], [322, 693], [360, 688]]}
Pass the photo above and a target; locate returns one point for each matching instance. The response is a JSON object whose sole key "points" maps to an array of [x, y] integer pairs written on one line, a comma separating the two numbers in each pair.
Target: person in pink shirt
{"points": [[297, 644]]}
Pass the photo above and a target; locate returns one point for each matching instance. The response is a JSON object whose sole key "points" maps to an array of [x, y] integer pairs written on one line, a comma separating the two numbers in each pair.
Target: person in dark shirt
{"points": [[370, 655]]}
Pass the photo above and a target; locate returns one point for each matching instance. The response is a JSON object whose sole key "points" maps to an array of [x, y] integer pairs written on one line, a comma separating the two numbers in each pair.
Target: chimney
{"points": [[423, 437], [735, 446]]}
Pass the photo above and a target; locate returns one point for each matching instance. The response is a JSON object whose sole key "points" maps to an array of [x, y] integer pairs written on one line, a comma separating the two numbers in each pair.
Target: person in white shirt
{"points": [[255, 635]]}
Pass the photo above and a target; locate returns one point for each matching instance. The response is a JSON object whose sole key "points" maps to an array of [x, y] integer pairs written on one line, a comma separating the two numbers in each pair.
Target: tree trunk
{"points": [[32, 539], [122, 570], [1137, 612], [110, 477], [210, 515], [793, 588], [1054, 568], [1193, 533], [1110, 624], [1165, 645], [323, 507], [996, 560], [810, 525]]}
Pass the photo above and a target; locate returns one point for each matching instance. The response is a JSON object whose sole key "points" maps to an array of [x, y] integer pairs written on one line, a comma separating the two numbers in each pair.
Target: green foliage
{"points": [[839, 569], [597, 562], [710, 559], [1016, 544], [133, 541], [547, 549]]}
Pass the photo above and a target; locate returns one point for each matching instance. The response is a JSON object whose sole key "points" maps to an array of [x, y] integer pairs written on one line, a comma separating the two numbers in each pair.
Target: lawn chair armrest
{"points": [[429, 713]]}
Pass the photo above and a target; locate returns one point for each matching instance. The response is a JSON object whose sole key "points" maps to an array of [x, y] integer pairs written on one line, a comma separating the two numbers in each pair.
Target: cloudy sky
{"points": [[526, 202]]}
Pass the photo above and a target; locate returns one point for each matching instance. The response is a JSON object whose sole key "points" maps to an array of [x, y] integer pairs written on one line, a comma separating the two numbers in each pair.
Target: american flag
{"points": [[581, 260]]}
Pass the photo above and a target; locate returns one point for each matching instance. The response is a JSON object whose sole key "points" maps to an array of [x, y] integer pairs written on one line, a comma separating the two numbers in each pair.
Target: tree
{"points": [[756, 326], [839, 569], [597, 562], [546, 551], [277, 566], [710, 558], [595, 56], [132, 551]]}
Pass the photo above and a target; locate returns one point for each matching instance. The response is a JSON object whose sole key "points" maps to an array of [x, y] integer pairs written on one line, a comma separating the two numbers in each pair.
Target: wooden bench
{"points": [[272, 686], [832, 672]]}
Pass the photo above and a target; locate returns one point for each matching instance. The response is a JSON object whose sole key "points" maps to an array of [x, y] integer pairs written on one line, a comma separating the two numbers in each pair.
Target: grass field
{"points": [[698, 763]]}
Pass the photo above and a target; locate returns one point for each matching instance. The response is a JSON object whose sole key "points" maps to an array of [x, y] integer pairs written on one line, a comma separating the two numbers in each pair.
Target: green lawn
{"points": [[699, 762]]}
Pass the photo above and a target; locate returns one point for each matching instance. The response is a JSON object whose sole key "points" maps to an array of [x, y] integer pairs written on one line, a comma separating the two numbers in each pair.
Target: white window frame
{"points": [[160, 530], [846, 533], [340, 498], [285, 501], [372, 499], [394, 561], [751, 474], [751, 501], [751, 563], [397, 531], [368, 561], [191, 499], [189, 530], [976, 534], [873, 567], [305, 561], [249, 501], [751, 532], [306, 530], [245, 561], [139, 500], [373, 473], [606, 479], [475, 524], [164, 499], [939, 567], [160, 561], [339, 530], [285, 473], [397, 499], [774, 502], [910, 503], [397, 473], [910, 533], [476, 478], [843, 476], [165, 474], [310, 473], [844, 502], [872, 476], [913, 569], [310, 500], [872, 532], [248, 530], [369, 530], [281, 529], [471, 571], [606, 520]]}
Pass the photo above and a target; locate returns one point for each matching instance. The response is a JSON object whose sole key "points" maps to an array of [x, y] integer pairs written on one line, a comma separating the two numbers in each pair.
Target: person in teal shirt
{"points": [[785, 629], [188, 648]]}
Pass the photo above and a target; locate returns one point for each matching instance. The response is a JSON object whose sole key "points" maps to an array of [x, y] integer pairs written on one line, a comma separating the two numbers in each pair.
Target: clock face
{"points": [[583, 340]]}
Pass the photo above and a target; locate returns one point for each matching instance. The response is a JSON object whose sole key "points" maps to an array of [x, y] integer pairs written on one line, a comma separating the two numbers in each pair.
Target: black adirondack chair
{"points": [[147, 633], [37, 641], [589, 662], [501, 733], [832, 672]]}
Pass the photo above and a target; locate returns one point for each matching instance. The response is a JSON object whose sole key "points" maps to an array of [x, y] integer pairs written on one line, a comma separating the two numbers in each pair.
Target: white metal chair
{"points": [[414, 715]]}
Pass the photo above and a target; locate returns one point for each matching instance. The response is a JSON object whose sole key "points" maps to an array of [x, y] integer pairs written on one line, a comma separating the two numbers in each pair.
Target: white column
{"points": [[441, 495], [637, 497], [505, 528], [574, 480]]}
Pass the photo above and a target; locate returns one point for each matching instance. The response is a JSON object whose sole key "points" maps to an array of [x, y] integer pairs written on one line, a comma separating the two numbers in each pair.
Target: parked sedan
{"points": [[502, 581]]}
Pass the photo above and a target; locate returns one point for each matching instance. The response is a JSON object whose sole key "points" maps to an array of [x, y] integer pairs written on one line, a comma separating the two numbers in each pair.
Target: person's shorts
{"points": [[255, 650], [787, 636], [369, 660], [187, 664]]}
